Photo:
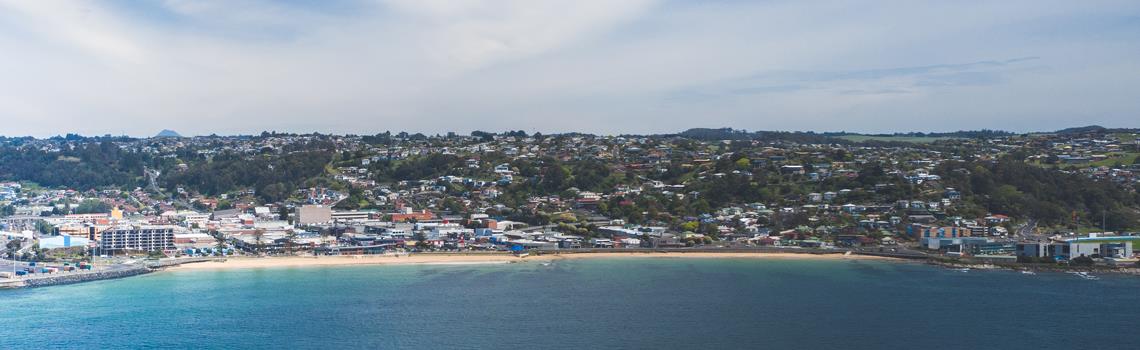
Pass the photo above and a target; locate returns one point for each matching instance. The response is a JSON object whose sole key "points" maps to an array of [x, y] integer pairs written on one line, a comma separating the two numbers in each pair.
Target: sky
{"points": [[201, 67]]}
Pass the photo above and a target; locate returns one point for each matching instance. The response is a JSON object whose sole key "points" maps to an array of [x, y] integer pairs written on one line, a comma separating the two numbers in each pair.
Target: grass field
{"points": [[1124, 158], [30, 186], [912, 139]]}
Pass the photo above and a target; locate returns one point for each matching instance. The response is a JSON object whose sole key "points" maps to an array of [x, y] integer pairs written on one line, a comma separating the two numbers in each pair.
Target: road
{"points": [[1027, 229]]}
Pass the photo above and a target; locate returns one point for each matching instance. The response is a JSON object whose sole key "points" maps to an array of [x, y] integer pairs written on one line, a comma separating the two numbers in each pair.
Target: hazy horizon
{"points": [[469, 132], [616, 67]]}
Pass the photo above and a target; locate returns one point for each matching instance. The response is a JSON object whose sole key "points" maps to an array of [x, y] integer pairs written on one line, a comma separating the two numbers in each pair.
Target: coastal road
{"points": [[8, 265], [1028, 230]]}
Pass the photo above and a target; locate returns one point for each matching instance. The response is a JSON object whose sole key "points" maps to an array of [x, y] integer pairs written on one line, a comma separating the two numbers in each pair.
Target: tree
{"points": [[92, 206], [483, 136], [225, 204], [44, 228], [355, 200], [290, 240], [283, 213], [453, 205], [258, 237], [155, 254], [743, 163], [701, 206], [690, 226], [421, 240], [13, 246], [1052, 159], [219, 241], [1081, 261], [554, 179]]}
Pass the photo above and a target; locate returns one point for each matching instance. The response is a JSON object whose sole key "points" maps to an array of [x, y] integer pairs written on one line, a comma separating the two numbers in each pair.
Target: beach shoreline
{"points": [[488, 258]]}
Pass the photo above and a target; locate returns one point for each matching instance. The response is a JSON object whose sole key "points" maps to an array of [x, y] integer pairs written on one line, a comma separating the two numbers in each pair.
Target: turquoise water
{"points": [[581, 304]]}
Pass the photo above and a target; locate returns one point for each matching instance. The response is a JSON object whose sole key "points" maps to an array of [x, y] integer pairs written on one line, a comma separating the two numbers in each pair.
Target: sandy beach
{"points": [[476, 258]]}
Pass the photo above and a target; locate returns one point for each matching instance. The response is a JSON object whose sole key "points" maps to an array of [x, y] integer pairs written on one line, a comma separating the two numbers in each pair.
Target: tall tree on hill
{"points": [[554, 178]]}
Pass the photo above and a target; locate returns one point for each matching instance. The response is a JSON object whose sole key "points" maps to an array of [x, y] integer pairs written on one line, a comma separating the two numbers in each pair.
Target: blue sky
{"points": [[608, 67]]}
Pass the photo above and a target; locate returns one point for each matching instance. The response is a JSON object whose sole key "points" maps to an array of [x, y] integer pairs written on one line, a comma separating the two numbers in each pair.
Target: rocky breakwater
{"points": [[69, 278]]}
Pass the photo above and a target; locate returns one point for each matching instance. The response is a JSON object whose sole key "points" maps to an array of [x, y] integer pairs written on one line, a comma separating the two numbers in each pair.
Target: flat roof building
{"points": [[314, 214], [137, 239]]}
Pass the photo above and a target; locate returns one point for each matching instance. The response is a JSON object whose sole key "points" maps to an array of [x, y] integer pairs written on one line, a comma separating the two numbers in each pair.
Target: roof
{"points": [[1105, 239], [63, 241], [24, 234]]}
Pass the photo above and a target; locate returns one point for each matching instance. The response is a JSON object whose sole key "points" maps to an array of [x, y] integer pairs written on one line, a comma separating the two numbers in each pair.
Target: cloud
{"points": [[87, 30], [356, 66], [898, 80]]}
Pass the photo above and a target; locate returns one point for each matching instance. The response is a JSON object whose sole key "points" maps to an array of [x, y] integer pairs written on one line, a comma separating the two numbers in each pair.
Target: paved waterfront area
{"points": [[10, 266], [7, 265]]}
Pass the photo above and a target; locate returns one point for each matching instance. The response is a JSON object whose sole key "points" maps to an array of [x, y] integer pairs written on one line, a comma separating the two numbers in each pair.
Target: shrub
{"points": [[1081, 261]]}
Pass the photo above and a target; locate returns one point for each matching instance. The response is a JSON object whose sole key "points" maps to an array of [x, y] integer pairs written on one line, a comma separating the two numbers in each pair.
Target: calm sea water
{"points": [[582, 304]]}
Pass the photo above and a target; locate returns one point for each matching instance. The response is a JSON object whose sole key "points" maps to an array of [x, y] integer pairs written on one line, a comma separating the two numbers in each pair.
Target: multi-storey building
{"points": [[120, 240]]}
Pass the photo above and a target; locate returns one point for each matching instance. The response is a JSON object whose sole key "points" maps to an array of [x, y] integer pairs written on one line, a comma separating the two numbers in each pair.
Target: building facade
{"points": [[121, 240], [313, 214]]}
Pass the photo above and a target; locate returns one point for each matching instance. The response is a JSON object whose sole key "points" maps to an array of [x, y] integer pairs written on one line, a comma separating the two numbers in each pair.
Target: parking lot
{"points": [[7, 266]]}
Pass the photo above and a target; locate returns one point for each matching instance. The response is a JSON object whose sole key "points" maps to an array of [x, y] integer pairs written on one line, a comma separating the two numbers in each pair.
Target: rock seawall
{"points": [[84, 277]]}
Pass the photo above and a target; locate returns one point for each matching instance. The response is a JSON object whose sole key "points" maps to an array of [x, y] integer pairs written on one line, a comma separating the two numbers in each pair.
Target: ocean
{"points": [[618, 303]]}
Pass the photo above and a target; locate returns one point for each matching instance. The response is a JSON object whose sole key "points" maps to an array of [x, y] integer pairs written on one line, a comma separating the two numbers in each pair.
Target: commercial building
{"points": [[343, 216], [1034, 250], [990, 248], [121, 240], [923, 231], [63, 241], [313, 214], [409, 215], [1077, 248]]}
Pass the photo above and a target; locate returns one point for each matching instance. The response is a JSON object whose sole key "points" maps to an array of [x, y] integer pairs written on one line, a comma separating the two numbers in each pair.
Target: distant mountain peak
{"points": [[167, 133]]}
